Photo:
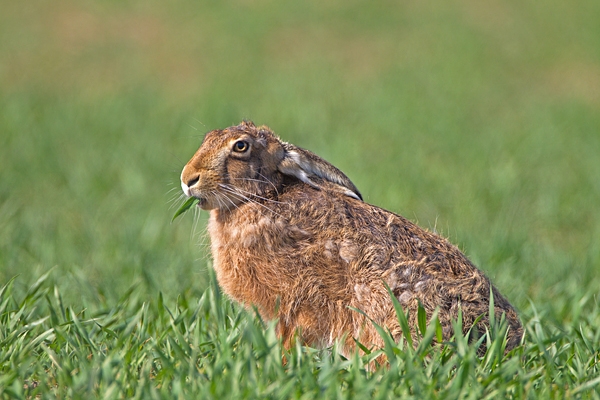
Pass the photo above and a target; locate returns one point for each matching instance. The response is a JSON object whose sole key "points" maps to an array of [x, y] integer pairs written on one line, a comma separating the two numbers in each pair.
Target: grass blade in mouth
{"points": [[189, 203]]}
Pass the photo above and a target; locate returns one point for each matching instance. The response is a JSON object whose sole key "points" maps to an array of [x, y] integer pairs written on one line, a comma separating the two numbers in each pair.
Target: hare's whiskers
{"points": [[242, 191], [264, 180], [196, 221], [241, 196], [177, 199], [236, 196], [222, 197], [254, 194], [173, 188], [271, 183]]}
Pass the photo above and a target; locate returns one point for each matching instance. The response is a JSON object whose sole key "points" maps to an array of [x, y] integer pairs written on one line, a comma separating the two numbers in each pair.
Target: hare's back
{"points": [[381, 239], [374, 245]]}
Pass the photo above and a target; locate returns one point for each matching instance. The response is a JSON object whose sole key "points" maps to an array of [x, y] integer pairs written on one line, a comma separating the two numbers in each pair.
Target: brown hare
{"points": [[291, 235]]}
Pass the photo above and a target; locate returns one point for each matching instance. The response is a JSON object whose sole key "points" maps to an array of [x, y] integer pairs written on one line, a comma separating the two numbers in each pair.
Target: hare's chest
{"points": [[249, 261], [243, 247]]}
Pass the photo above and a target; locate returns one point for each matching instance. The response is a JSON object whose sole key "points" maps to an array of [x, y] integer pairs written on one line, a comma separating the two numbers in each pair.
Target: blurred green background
{"points": [[478, 119]]}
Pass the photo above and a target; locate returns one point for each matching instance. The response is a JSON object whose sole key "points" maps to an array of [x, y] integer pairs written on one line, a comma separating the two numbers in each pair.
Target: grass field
{"points": [[480, 120]]}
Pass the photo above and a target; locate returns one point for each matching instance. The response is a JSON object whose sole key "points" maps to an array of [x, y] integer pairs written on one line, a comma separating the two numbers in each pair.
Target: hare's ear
{"points": [[305, 165]]}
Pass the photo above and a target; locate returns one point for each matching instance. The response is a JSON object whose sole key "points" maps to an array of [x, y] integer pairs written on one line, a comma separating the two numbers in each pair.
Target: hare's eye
{"points": [[240, 146]]}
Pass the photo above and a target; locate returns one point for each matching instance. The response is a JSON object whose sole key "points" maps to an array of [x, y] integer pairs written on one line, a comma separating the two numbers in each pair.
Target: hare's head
{"points": [[246, 162]]}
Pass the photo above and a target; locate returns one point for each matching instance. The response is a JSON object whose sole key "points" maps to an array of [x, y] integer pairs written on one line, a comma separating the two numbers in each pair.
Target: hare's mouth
{"points": [[202, 202]]}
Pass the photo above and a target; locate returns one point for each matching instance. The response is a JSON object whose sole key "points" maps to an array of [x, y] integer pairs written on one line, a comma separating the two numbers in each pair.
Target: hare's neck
{"points": [[231, 235], [219, 244], [230, 226], [219, 228]]}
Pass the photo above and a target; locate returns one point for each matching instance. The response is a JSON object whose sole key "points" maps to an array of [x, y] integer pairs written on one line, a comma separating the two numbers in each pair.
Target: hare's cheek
{"points": [[239, 170]]}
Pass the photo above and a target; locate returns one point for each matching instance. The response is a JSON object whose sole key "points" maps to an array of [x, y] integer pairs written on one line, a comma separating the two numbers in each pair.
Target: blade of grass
{"points": [[402, 320], [189, 203]]}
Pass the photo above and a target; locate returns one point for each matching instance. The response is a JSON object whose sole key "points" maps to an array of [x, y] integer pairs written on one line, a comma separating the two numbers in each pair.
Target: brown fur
{"points": [[307, 251]]}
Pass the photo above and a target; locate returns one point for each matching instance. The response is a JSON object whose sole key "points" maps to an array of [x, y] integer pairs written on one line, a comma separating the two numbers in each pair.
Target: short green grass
{"points": [[206, 347], [478, 120]]}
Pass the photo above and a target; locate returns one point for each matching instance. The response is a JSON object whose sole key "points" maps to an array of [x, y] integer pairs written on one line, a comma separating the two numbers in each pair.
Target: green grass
{"points": [[479, 120], [205, 347]]}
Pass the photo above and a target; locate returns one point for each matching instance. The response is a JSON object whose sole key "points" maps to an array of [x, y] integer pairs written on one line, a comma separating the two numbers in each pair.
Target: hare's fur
{"points": [[291, 236]]}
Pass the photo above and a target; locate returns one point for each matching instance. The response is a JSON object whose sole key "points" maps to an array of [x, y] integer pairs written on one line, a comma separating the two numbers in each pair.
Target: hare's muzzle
{"points": [[187, 190], [189, 179]]}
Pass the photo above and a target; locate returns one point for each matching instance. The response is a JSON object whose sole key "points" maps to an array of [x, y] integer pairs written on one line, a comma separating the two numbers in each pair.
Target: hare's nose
{"points": [[193, 180], [187, 182]]}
